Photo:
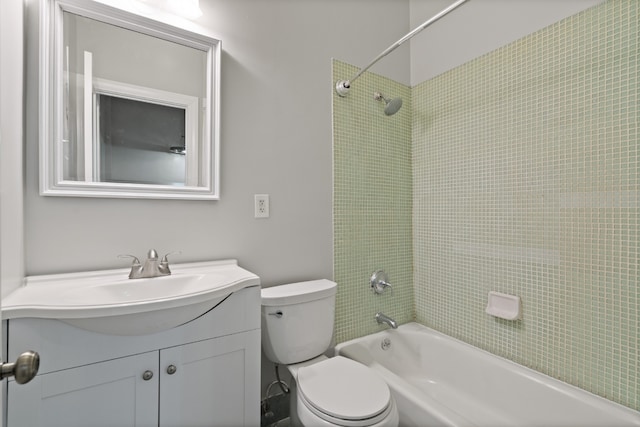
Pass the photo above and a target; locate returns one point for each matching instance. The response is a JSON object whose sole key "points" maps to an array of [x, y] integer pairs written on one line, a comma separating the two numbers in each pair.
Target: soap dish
{"points": [[504, 306]]}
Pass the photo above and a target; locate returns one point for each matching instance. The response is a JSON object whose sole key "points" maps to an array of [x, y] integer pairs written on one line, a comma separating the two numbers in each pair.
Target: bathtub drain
{"points": [[385, 344]]}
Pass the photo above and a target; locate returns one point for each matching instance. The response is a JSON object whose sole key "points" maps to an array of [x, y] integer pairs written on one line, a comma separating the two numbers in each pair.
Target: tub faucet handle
{"points": [[379, 282]]}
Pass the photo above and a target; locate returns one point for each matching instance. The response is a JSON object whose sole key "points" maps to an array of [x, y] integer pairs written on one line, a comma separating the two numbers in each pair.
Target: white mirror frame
{"points": [[51, 105]]}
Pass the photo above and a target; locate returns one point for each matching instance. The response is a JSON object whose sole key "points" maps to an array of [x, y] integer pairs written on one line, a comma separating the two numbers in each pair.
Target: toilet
{"points": [[297, 327]]}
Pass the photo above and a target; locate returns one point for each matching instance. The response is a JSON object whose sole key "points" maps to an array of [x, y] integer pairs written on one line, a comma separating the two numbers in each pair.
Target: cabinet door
{"points": [[216, 382], [105, 394]]}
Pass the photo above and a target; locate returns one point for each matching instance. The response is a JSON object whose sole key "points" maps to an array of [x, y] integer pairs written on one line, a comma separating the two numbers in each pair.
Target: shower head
{"points": [[391, 105]]}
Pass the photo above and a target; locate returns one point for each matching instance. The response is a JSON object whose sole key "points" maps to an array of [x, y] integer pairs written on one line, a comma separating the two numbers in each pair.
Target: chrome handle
{"points": [[278, 314], [147, 375], [24, 369], [379, 283], [171, 369]]}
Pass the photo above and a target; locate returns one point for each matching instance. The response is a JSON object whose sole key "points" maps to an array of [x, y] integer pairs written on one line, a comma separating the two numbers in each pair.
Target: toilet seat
{"points": [[344, 392]]}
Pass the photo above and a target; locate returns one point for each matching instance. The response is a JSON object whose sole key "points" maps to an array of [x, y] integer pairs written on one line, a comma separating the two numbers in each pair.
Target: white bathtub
{"points": [[440, 381]]}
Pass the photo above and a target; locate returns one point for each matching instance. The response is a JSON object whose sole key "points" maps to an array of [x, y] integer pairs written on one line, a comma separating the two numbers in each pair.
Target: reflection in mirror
{"points": [[129, 105], [135, 133]]}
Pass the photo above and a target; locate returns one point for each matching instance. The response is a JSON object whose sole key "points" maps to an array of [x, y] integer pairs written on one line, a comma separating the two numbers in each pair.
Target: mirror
{"points": [[129, 106]]}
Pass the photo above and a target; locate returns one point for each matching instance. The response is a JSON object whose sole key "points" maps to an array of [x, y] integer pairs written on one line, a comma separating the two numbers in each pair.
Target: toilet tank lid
{"points": [[294, 293]]}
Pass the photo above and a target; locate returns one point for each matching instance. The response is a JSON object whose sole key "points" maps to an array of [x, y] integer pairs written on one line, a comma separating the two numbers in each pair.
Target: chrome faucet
{"points": [[151, 268], [381, 318]]}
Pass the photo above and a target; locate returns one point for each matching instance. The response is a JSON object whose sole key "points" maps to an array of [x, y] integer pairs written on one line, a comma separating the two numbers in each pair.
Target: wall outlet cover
{"points": [[261, 205]]}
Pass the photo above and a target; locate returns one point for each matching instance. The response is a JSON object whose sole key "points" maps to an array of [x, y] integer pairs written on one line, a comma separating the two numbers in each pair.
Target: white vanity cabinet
{"points": [[209, 383], [111, 393], [203, 373]]}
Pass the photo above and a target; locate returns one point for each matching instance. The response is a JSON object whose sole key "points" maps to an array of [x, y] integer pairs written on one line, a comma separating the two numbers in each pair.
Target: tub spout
{"points": [[381, 318]]}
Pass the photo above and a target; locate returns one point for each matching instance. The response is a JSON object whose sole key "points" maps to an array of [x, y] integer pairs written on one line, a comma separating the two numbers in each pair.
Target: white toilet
{"points": [[297, 326]]}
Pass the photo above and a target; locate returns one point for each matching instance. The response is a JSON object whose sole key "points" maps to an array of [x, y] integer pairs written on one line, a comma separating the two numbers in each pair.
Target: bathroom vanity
{"points": [[205, 372]]}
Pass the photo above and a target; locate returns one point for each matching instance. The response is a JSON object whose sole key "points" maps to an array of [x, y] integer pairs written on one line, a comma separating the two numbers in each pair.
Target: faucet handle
{"points": [[136, 261], [164, 263], [136, 267], [379, 283], [165, 258]]}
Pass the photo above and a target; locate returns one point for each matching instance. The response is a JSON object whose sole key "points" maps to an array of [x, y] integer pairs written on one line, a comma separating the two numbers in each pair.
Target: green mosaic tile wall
{"points": [[526, 180], [372, 204]]}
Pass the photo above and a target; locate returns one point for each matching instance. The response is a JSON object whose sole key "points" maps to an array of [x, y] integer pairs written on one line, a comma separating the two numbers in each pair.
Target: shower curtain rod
{"points": [[342, 86]]}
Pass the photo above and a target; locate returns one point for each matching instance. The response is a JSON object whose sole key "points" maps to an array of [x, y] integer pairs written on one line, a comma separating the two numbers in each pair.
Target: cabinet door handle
{"points": [[171, 369], [147, 375]]}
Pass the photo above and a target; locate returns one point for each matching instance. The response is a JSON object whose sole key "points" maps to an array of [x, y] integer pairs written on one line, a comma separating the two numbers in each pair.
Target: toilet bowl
{"points": [[297, 326]]}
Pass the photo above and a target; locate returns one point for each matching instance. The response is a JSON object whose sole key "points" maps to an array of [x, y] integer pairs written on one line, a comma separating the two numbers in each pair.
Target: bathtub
{"points": [[440, 381]]}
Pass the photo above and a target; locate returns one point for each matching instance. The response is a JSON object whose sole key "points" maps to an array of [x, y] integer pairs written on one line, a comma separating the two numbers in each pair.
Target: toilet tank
{"points": [[297, 320]]}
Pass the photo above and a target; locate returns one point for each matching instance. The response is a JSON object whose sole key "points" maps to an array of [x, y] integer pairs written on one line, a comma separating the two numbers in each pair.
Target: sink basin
{"points": [[135, 290], [109, 302]]}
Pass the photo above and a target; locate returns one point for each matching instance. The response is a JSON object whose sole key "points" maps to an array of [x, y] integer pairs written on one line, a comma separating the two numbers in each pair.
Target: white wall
{"points": [[276, 138], [478, 27], [11, 134]]}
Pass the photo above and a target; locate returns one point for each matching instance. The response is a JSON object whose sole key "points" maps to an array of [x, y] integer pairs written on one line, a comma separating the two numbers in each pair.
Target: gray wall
{"points": [[275, 138], [11, 134], [478, 27]]}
